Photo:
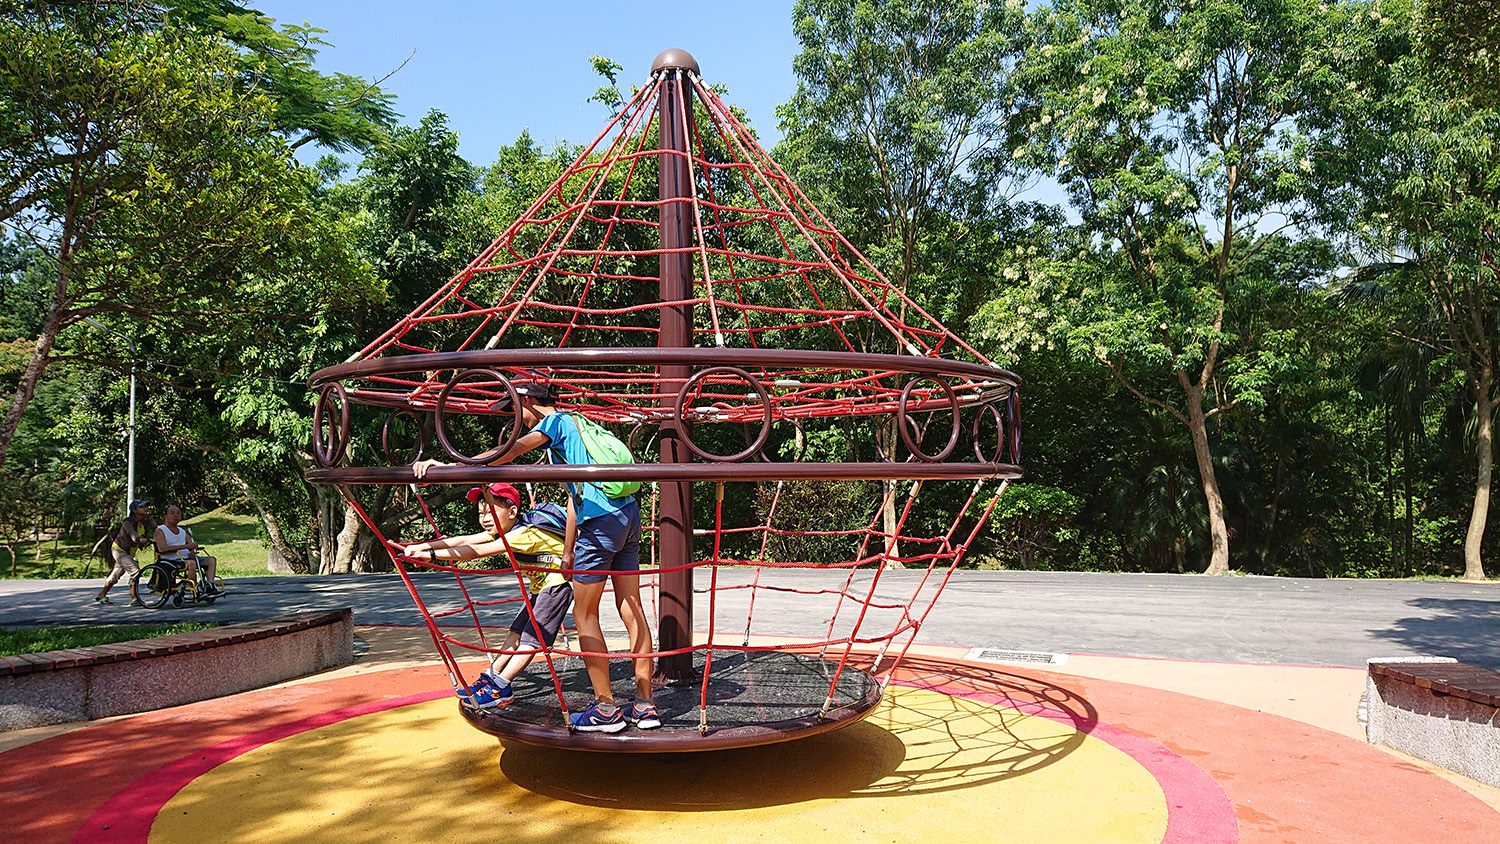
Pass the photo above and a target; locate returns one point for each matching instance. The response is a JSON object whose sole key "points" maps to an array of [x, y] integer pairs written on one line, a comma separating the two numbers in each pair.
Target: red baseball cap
{"points": [[498, 490]]}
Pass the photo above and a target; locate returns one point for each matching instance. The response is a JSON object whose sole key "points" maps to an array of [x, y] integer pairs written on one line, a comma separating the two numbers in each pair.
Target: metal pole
{"points": [[675, 519], [130, 450]]}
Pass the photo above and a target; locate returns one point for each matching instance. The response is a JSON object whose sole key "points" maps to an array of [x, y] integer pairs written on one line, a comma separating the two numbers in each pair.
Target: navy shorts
{"points": [[608, 544], [550, 605]]}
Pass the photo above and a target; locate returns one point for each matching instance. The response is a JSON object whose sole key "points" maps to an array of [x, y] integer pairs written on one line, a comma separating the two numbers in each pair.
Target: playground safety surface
{"points": [[1101, 749]]}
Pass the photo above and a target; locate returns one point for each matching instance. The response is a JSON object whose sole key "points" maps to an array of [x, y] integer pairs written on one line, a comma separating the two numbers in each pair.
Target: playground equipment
{"points": [[675, 281]]}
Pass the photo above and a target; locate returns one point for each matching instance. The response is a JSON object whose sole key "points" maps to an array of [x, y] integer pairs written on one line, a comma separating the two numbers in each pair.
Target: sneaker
{"points": [[134, 603], [592, 720], [643, 716], [487, 693], [102, 599]]}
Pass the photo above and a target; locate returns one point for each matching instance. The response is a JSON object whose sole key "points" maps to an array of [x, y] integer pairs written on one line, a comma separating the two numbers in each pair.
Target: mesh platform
{"points": [[754, 697]]}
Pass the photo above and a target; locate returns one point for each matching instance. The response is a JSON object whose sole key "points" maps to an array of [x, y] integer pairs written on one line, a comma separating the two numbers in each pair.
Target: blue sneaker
{"points": [[643, 716], [487, 693], [592, 720]]}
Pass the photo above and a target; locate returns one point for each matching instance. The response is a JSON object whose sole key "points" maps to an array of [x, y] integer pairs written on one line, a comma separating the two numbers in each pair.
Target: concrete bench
{"points": [[1437, 709], [81, 684]]}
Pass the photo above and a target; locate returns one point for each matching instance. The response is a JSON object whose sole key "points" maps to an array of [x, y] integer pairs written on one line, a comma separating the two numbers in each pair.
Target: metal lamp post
{"points": [[130, 448]]}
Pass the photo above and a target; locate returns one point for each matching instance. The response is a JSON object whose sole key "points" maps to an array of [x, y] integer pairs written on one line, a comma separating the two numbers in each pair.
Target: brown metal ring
{"points": [[632, 440], [748, 471], [906, 437], [800, 451], [441, 411], [330, 452], [880, 449], [385, 437], [975, 429], [765, 405], [1013, 415], [770, 359]]}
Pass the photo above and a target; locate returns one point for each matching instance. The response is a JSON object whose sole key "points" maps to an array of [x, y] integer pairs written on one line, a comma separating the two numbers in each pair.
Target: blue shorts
{"points": [[607, 544]]}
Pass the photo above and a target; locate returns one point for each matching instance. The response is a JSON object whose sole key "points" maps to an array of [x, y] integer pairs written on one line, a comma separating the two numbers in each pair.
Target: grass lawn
{"points": [[231, 537], [14, 642]]}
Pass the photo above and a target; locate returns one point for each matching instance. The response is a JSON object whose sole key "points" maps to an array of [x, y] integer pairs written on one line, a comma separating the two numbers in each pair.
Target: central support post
{"points": [[675, 515]]}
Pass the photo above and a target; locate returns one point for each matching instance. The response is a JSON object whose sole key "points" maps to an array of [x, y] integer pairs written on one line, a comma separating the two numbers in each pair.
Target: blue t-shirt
{"points": [[567, 446]]}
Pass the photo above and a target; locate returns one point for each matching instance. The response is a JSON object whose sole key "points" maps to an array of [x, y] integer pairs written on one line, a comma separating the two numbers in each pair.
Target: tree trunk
{"points": [[1473, 565], [328, 507], [1218, 562], [41, 354], [886, 433], [281, 550], [348, 543], [1409, 526], [888, 522], [69, 240]]}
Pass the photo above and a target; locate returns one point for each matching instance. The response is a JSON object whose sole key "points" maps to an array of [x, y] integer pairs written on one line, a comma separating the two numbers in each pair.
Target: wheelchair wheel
{"points": [[152, 585], [187, 591]]}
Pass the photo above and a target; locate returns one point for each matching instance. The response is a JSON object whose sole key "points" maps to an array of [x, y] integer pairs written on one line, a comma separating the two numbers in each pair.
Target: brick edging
{"points": [[1467, 682], [196, 640]]}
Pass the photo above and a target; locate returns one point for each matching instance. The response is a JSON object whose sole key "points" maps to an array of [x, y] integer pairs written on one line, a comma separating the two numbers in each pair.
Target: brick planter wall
{"points": [[85, 683], [1445, 712]]}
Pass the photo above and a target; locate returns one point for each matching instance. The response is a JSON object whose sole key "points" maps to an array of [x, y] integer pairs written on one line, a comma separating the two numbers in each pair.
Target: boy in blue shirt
{"points": [[605, 544]]}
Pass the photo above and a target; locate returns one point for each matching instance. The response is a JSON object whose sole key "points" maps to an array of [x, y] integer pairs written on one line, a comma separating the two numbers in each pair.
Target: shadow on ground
{"points": [[917, 742], [1452, 627]]}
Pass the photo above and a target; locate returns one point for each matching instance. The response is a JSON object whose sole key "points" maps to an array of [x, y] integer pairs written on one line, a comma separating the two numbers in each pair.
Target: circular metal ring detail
{"points": [[385, 437], [976, 428], [632, 441], [1013, 415], [800, 438], [329, 452], [765, 407], [441, 412], [906, 434], [880, 444]]}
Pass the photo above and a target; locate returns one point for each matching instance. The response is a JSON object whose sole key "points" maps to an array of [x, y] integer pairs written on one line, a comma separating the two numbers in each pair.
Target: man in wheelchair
{"points": [[175, 546]]}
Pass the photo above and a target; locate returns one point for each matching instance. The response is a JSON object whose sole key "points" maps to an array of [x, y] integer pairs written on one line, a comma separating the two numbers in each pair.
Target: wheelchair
{"points": [[167, 580]]}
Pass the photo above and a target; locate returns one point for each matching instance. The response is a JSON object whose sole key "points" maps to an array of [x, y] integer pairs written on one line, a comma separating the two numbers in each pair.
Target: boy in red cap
{"points": [[499, 506], [604, 538]]}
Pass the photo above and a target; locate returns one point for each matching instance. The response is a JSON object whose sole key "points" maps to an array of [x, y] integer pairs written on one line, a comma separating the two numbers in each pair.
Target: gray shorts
{"points": [[550, 605]]}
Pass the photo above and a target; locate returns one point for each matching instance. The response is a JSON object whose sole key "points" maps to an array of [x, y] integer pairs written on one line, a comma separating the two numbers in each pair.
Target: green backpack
{"points": [[605, 448]]}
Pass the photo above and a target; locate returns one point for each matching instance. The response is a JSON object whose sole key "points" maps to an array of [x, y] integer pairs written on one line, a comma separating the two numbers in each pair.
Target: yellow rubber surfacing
{"points": [[922, 765]]}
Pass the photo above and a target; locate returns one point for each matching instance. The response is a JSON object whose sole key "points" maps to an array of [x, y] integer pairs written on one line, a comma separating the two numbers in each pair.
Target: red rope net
{"points": [[818, 399]]}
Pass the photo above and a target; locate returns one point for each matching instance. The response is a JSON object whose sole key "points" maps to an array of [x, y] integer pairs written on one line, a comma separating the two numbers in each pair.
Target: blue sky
{"points": [[499, 67]]}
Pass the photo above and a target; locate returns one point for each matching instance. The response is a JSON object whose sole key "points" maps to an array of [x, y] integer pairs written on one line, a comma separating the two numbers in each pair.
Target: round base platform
{"points": [[754, 698]]}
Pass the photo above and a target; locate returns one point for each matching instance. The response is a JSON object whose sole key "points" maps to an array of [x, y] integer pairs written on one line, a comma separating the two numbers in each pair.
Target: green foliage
{"points": [[1460, 40], [29, 641], [1280, 217]]}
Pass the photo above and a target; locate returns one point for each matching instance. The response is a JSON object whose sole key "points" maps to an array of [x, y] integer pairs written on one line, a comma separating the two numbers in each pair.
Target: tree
{"points": [[896, 128], [147, 159], [1174, 128], [1460, 43], [1413, 164], [899, 118]]}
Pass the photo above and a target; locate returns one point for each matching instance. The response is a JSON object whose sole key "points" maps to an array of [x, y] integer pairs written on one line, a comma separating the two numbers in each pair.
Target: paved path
{"points": [[1103, 748], [1234, 619]]}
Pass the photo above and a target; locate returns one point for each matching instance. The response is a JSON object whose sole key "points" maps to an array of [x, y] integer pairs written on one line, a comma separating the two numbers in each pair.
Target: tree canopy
{"points": [[1243, 253]]}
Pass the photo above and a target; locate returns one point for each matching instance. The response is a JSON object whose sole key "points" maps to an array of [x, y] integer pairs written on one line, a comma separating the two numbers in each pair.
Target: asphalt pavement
{"points": [[1289, 621]]}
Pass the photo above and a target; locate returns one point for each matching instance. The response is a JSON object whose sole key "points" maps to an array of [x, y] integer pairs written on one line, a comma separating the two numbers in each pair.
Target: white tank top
{"points": [[176, 537]]}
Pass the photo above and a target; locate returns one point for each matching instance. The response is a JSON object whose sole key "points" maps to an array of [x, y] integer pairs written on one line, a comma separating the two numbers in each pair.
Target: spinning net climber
{"points": [[800, 426]]}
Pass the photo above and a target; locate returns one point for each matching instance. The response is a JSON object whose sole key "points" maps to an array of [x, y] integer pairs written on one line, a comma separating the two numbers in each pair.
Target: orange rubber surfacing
{"points": [[958, 748]]}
